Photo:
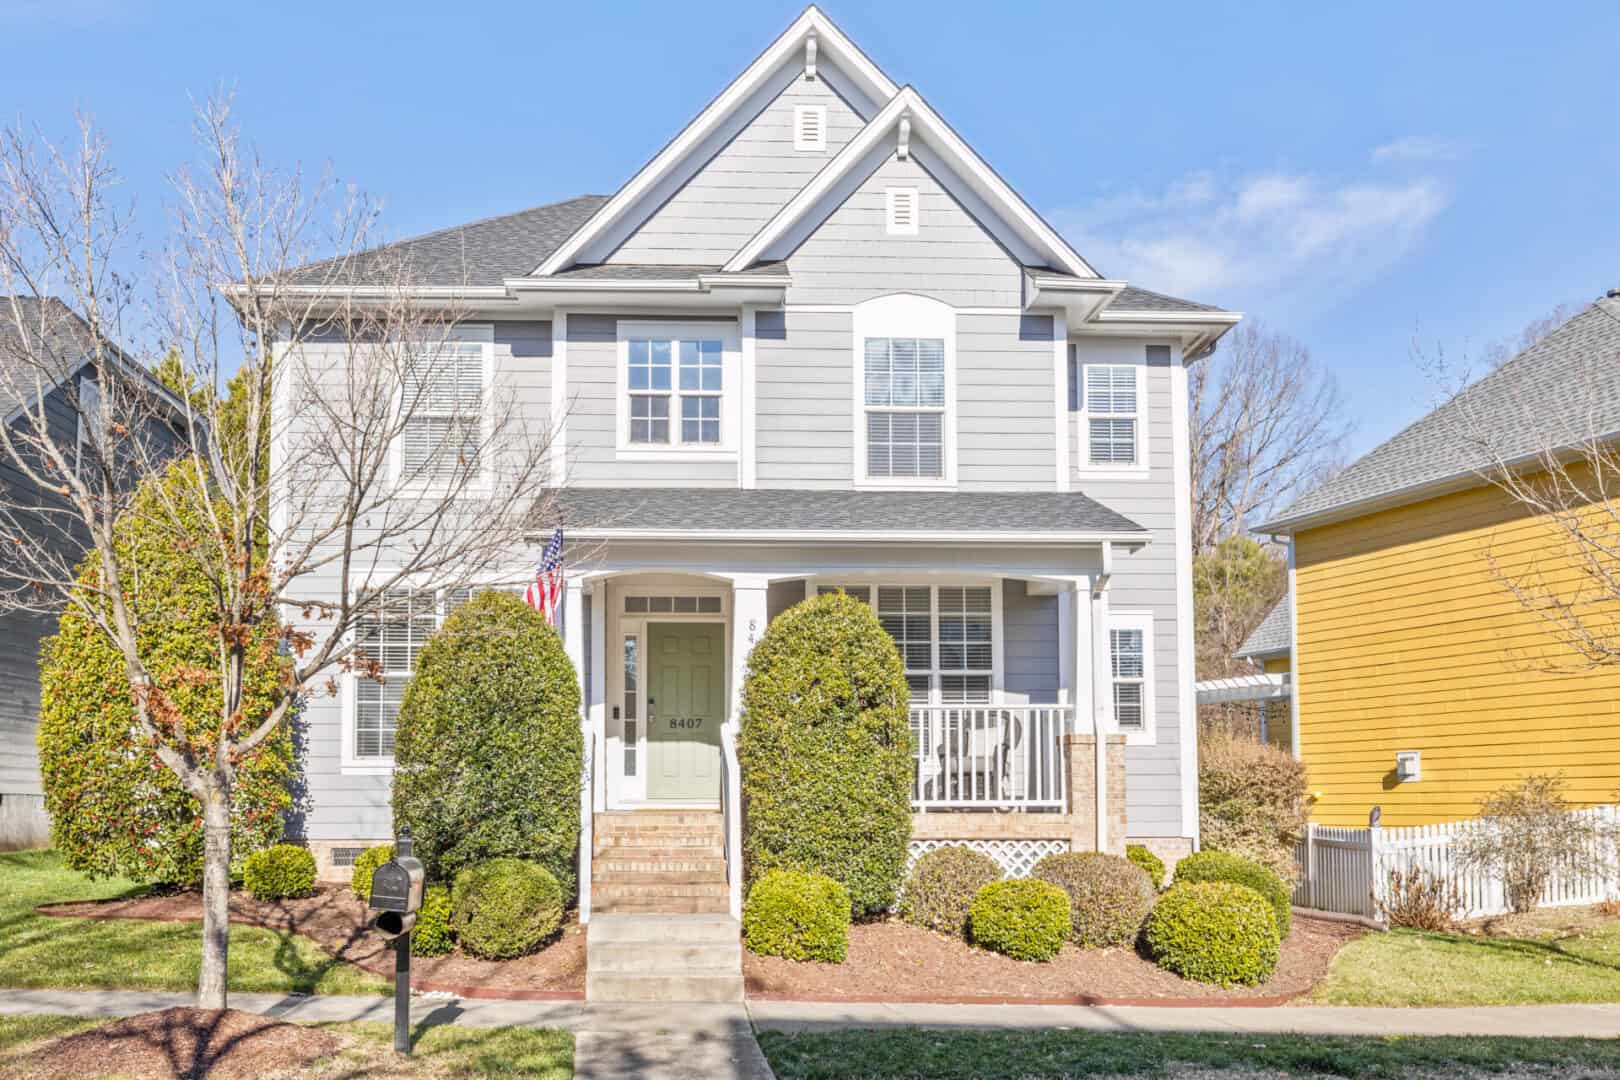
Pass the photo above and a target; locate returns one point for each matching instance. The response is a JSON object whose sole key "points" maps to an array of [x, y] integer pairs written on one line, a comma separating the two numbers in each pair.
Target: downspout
{"points": [[1101, 648]]}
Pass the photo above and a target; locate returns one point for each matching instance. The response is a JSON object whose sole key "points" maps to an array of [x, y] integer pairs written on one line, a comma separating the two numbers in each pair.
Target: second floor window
{"points": [[442, 402], [676, 388], [1110, 401], [905, 408]]}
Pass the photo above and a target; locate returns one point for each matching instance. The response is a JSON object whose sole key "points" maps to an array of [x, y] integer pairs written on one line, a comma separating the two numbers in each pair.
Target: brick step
{"points": [[664, 958], [657, 830], [657, 841], [652, 889], [618, 876], [661, 817], [693, 929], [660, 906], [636, 864], [611, 986]]}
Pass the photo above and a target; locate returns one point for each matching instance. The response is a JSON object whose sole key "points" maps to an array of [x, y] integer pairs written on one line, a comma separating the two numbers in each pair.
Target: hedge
{"points": [[115, 808], [1109, 897], [1151, 863], [281, 872], [1225, 866], [797, 916], [488, 752], [1023, 918], [505, 908], [825, 751], [365, 865], [943, 885], [432, 935], [1215, 932]]}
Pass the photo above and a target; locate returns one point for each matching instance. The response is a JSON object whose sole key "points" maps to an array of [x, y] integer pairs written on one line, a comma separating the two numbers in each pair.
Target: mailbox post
{"points": [[396, 893]]}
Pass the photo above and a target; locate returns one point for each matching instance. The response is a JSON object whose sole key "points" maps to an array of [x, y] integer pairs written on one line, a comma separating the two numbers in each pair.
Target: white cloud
{"points": [[1212, 237], [1421, 148]]}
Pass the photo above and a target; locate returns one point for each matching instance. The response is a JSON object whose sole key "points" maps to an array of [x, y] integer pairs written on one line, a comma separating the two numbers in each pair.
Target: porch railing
{"points": [[990, 756]]}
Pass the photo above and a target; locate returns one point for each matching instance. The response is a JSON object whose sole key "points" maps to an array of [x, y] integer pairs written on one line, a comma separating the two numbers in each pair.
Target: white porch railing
{"points": [[990, 756]]}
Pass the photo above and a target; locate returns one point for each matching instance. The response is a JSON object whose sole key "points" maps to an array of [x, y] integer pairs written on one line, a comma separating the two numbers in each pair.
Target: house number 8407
{"points": [[685, 722]]}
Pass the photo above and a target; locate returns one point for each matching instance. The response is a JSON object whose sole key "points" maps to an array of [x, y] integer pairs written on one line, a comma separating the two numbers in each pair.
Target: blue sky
{"points": [[1358, 176]]}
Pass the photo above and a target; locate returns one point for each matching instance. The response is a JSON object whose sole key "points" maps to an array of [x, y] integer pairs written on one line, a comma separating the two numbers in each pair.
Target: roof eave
{"points": [[1129, 538]]}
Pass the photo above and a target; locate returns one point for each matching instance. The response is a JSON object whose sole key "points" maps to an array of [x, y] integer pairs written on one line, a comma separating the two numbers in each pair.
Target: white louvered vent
{"points": [[810, 127], [902, 210]]}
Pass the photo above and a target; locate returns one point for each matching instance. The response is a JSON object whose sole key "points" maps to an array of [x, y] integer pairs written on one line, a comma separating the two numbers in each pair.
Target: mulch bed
{"points": [[894, 961], [219, 1043], [335, 919]]}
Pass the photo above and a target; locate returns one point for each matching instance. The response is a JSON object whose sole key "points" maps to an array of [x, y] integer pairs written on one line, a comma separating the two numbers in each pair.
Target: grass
{"points": [[451, 1053], [1554, 963], [135, 954], [917, 1054]]}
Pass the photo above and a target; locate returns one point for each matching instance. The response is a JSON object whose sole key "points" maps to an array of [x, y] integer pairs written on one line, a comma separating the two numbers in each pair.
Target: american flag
{"points": [[545, 591]]}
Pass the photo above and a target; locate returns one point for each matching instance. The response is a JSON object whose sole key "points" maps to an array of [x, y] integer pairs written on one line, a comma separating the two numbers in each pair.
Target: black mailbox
{"points": [[396, 890]]}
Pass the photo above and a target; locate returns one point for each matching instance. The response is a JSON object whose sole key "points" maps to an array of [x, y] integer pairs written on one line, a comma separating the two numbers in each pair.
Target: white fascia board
{"points": [[844, 536], [1081, 299], [930, 130], [444, 293], [830, 40]]}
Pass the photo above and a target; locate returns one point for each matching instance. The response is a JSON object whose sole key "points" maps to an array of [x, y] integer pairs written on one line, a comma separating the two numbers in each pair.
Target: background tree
{"points": [[1234, 585], [348, 372]]}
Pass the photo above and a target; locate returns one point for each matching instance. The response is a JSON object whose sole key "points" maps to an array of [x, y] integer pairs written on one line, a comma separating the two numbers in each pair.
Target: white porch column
{"points": [[1102, 700], [597, 713], [574, 631], [749, 613]]}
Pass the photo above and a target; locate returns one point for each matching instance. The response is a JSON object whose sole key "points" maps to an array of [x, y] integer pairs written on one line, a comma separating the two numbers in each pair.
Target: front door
{"points": [[685, 708]]}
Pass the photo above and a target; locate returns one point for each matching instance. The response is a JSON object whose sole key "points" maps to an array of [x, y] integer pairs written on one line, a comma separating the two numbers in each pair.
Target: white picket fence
{"points": [[1347, 870]]}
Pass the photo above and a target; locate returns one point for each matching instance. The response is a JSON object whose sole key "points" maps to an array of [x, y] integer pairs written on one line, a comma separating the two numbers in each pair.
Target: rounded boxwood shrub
{"points": [[505, 908], [1214, 932], [432, 936], [1224, 866], [825, 751], [1151, 863], [279, 873], [1023, 918], [943, 885], [115, 809], [797, 915], [488, 752], [365, 865], [1109, 897]]}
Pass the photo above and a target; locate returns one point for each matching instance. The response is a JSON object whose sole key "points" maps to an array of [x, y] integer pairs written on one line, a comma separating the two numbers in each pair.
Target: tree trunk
{"points": [[216, 897]]}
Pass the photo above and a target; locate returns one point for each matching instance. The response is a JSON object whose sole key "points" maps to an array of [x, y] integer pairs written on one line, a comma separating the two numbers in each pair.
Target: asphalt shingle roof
{"points": [[1131, 298], [780, 510], [53, 343], [1275, 634], [654, 272], [1559, 391]]}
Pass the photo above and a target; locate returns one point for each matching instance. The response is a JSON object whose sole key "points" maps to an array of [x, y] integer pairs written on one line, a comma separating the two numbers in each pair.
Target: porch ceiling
{"points": [[1057, 517]]}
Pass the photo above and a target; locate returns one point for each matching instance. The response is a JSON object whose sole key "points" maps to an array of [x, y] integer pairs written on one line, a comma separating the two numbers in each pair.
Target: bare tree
{"points": [[1266, 423], [378, 475]]}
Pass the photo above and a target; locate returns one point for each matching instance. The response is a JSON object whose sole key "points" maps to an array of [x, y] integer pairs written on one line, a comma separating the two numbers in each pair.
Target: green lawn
{"points": [[915, 1054], [1411, 967], [132, 954], [447, 1052]]}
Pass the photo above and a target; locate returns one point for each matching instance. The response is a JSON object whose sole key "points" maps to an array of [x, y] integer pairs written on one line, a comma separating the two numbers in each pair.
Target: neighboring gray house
{"points": [[818, 343]]}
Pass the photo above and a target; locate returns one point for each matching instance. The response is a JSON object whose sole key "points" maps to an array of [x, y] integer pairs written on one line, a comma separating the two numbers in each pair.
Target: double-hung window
{"points": [[392, 635], [675, 390], [905, 408], [945, 634], [442, 413], [1130, 656], [1111, 405]]}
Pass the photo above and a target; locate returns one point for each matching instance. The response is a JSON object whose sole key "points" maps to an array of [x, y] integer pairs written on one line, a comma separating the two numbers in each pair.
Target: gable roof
{"points": [[812, 23], [1275, 634], [1561, 390], [1131, 298], [930, 130]]}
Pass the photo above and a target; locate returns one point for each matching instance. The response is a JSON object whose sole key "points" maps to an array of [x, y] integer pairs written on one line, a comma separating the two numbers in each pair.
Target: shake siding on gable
{"points": [[1408, 641], [729, 199]]}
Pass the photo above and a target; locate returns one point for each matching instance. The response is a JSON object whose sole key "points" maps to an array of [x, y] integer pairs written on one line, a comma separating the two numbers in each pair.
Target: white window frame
{"points": [[1085, 415], [89, 407], [933, 582], [730, 393], [903, 315], [890, 197], [483, 336], [1142, 621], [818, 144]]}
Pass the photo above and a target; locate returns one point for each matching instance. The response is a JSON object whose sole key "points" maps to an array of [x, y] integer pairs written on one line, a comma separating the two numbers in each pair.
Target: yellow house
{"points": [[1419, 683]]}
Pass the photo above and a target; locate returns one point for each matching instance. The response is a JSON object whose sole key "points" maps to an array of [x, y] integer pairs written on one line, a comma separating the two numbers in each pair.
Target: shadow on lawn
{"points": [[1533, 949]]}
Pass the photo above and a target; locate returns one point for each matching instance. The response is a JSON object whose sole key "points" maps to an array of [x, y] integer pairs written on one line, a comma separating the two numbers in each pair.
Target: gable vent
{"points": [[810, 127], [902, 210]]}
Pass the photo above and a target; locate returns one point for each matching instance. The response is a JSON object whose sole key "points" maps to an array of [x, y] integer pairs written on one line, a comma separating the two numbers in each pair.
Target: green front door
{"points": [[687, 690]]}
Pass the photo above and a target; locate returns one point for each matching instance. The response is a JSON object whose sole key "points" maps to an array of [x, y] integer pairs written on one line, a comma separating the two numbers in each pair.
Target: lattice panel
{"points": [[1017, 857]]}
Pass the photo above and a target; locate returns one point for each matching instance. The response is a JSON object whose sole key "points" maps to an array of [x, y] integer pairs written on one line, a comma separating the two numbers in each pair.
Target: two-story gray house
{"points": [[817, 342]]}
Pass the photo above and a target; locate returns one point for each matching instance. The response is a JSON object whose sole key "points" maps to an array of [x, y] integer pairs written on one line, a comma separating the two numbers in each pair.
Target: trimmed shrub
{"points": [[1251, 800], [1214, 932], [505, 908], [279, 873], [825, 751], [365, 864], [1224, 866], [115, 809], [1109, 897], [1149, 862], [1023, 918], [798, 916], [432, 937], [488, 750], [943, 885]]}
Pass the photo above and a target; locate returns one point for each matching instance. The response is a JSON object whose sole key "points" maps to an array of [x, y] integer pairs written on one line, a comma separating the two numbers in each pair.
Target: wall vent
{"points": [[810, 128], [901, 204], [345, 856]]}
